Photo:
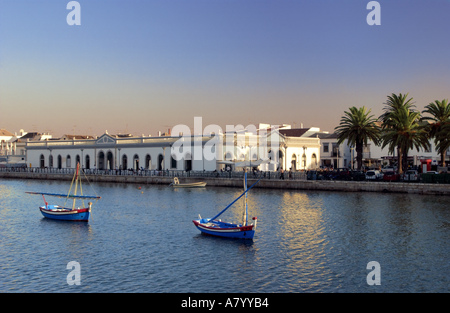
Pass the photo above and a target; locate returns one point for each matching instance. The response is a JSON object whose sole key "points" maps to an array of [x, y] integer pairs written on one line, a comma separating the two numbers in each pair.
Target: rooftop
{"points": [[4, 132]]}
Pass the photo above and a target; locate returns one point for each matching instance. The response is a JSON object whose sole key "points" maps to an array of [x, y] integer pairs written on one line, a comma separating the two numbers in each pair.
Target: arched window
{"points": [[187, 162], [136, 162], [148, 162], [101, 160], [68, 161], [124, 162], [173, 162], [294, 162], [280, 156], [109, 161], [42, 163], [314, 160], [160, 162], [78, 160], [87, 164]]}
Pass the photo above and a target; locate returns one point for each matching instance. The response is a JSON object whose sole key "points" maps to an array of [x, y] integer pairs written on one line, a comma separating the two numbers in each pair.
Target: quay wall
{"points": [[323, 185]]}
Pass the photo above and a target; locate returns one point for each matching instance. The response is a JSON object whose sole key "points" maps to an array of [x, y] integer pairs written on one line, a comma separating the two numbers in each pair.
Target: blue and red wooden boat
{"points": [[222, 229], [56, 212], [63, 213], [215, 227]]}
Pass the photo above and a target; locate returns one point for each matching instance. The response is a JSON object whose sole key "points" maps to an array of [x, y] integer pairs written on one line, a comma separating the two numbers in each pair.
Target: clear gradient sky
{"points": [[140, 66]]}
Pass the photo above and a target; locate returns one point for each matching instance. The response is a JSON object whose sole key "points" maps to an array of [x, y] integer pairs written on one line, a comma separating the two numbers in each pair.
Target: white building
{"points": [[113, 152], [299, 148], [270, 150], [13, 146], [7, 148], [374, 156], [333, 154], [267, 149]]}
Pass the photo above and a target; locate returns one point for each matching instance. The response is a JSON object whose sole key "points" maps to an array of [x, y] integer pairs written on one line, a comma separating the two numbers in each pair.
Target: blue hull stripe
{"points": [[67, 216]]}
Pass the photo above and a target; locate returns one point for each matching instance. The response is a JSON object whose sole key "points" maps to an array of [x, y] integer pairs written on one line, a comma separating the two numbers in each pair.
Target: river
{"points": [[142, 239]]}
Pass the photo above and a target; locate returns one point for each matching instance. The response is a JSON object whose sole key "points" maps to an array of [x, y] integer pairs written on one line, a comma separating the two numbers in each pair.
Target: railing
{"points": [[300, 175], [167, 173]]}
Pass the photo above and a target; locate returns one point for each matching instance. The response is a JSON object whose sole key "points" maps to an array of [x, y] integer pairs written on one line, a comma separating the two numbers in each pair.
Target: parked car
{"points": [[358, 176], [411, 175], [388, 169], [343, 174], [391, 176], [373, 175]]}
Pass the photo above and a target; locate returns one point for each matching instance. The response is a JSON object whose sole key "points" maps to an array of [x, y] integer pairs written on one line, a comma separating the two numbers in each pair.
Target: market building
{"points": [[269, 150]]}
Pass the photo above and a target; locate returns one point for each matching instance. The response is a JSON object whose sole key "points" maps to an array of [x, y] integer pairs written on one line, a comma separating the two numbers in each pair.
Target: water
{"points": [[143, 240]]}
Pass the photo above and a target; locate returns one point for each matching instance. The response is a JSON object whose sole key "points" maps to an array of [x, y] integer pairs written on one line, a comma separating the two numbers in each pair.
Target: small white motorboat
{"points": [[176, 183]]}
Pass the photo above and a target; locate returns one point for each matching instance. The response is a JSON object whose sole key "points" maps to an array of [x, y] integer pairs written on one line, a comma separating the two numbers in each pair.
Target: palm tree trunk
{"points": [[443, 155], [359, 154], [405, 160], [399, 160]]}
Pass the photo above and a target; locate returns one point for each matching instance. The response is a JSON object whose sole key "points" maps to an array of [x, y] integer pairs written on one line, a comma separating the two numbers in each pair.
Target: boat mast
{"points": [[244, 219], [76, 185], [221, 212]]}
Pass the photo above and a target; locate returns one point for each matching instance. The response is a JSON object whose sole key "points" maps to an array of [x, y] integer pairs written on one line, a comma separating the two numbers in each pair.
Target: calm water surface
{"points": [[143, 240]]}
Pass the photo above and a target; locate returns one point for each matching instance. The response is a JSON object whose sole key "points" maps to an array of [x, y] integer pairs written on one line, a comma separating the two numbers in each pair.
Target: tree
{"points": [[394, 103], [443, 139], [357, 126], [401, 128], [440, 115]]}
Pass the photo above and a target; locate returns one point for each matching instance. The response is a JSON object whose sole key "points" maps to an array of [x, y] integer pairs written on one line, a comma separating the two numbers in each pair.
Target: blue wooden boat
{"points": [[222, 229], [56, 212], [215, 227], [63, 213]]}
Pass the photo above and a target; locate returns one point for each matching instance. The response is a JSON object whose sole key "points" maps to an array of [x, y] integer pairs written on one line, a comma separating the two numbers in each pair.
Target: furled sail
{"points": [[61, 195]]}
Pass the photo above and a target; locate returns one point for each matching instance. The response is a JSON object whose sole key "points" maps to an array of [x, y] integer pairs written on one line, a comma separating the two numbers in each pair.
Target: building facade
{"points": [[270, 151], [112, 152]]}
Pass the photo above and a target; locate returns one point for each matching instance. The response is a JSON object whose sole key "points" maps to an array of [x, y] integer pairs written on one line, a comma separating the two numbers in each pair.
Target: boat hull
{"points": [[227, 230], [190, 185], [63, 214]]}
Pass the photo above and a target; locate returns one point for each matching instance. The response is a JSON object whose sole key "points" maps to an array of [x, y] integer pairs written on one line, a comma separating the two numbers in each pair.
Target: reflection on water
{"points": [[143, 240]]}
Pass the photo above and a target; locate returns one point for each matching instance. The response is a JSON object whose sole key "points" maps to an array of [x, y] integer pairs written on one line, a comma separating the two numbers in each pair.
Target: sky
{"points": [[143, 66]]}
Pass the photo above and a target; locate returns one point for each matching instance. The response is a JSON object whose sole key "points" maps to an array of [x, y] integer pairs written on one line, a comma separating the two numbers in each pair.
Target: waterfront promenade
{"points": [[296, 181]]}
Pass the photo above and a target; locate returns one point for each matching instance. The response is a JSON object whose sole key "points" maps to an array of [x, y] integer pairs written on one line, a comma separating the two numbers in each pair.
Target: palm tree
{"points": [[443, 139], [401, 128], [440, 115], [357, 126], [394, 103]]}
